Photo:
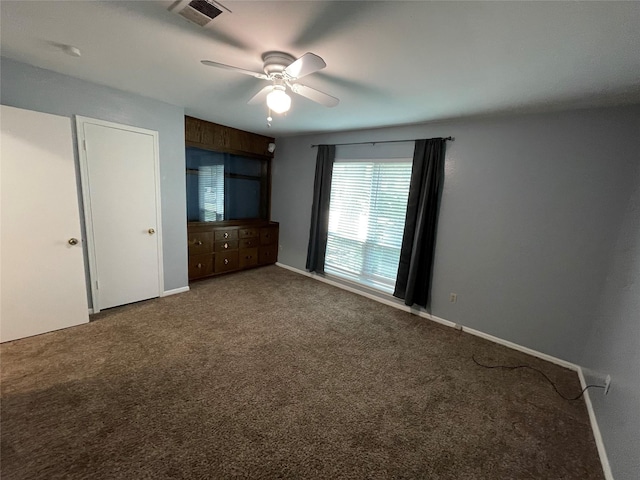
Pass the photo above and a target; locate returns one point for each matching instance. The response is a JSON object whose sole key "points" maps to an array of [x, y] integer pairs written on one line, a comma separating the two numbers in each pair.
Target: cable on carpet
{"points": [[514, 367]]}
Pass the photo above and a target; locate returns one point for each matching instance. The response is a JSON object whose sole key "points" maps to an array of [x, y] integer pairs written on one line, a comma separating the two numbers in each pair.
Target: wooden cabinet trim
{"points": [[212, 136]]}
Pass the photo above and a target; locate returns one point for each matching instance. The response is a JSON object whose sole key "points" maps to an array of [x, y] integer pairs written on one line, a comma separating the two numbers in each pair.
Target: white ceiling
{"points": [[389, 62]]}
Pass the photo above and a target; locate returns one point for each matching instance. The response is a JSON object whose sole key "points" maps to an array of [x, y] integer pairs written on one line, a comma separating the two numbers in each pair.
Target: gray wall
{"points": [[532, 208], [42, 90], [614, 344]]}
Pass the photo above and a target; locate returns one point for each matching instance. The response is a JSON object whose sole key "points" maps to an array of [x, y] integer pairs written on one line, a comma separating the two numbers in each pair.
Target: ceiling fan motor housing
{"points": [[276, 62]]}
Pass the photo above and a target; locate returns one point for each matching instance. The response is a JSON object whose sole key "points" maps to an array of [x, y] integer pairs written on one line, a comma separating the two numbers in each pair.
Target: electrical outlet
{"points": [[453, 297], [607, 384]]}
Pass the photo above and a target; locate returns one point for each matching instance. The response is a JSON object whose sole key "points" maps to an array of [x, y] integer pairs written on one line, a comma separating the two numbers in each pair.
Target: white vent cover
{"points": [[200, 12]]}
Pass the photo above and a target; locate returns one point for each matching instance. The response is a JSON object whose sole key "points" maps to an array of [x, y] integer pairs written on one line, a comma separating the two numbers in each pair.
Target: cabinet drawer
{"points": [[249, 232], [226, 245], [200, 265], [226, 234], [200, 243], [268, 236], [249, 243], [248, 257], [268, 254], [226, 261]]}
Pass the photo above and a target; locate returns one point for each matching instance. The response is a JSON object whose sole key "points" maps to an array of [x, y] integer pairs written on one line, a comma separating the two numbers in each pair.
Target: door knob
{"points": [[73, 241], [151, 231]]}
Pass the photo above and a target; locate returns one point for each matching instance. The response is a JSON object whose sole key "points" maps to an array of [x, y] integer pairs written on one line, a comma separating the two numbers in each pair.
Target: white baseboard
{"points": [[174, 291], [549, 358], [166, 293], [602, 452], [520, 348]]}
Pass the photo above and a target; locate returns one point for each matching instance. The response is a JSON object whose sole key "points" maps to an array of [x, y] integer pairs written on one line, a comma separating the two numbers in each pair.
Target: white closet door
{"points": [[121, 192], [42, 285]]}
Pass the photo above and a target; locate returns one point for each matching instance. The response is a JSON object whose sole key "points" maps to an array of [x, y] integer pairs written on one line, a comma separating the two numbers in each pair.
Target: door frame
{"points": [[86, 200]]}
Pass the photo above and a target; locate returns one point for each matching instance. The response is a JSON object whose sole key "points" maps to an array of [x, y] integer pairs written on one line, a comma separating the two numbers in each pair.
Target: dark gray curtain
{"points": [[320, 209], [413, 283]]}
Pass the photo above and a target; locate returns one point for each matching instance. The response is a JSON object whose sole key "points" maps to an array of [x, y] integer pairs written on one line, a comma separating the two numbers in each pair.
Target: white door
{"points": [[42, 285], [120, 182]]}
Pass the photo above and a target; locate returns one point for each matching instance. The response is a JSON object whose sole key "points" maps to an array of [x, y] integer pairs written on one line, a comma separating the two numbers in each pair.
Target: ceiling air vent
{"points": [[200, 12]]}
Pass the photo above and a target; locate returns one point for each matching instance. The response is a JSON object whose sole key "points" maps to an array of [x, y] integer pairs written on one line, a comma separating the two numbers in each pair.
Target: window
{"points": [[366, 220]]}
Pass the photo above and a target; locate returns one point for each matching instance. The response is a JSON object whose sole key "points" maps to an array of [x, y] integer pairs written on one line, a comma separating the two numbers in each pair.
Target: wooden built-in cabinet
{"points": [[221, 247], [220, 138]]}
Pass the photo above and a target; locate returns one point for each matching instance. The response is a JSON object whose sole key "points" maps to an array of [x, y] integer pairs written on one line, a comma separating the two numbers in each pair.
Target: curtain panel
{"points": [[413, 282], [319, 227]]}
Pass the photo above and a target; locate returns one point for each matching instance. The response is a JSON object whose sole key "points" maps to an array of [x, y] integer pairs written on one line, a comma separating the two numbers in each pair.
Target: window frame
{"points": [[366, 276]]}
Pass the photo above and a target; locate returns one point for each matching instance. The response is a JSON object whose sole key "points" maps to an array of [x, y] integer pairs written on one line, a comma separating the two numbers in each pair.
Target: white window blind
{"points": [[366, 220], [211, 192]]}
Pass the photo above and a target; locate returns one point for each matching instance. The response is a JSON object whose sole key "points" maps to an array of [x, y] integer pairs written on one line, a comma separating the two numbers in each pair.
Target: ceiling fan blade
{"points": [[306, 64], [209, 63], [315, 95], [261, 96]]}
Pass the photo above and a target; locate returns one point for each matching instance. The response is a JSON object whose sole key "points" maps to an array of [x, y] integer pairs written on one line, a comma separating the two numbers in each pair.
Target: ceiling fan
{"points": [[284, 71]]}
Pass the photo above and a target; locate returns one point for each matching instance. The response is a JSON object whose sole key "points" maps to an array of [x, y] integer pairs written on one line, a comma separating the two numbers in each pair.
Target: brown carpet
{"points": [[269, 374]]}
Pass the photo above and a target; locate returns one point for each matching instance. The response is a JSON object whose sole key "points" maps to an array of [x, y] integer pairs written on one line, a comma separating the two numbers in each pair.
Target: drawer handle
{"points": [[249, 243], [199, 242], [226, 234], [248, 257], [266, 236], [226, 245], [199, 265], [226, 261]]}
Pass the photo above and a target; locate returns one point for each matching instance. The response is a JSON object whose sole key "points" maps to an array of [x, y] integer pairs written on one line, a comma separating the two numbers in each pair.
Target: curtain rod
{"points": [[451, 139]]}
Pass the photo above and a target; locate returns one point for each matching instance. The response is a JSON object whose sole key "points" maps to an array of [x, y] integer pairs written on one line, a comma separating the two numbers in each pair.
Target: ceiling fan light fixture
{"points": [[278, 100], [283, 71]]}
